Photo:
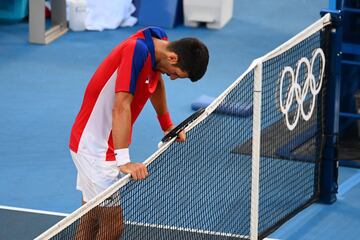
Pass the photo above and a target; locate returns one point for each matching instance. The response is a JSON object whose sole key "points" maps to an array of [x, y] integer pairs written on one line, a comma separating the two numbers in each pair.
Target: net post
{"points": [[254, 211], [329, 165]]}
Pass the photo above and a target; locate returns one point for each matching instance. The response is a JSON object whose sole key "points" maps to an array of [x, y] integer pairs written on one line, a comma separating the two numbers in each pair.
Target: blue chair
{"points": [[13, 10], [162, 13]]}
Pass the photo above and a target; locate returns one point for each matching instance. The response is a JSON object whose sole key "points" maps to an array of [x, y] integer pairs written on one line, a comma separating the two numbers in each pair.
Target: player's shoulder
{"points": [[137, 44], [157, 32]]}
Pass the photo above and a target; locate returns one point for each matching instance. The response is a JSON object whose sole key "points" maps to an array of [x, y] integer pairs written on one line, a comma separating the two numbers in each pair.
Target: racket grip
{"points": [[160, 144]]}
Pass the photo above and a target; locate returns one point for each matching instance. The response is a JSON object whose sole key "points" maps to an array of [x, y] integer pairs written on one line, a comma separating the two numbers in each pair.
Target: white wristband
{"points": [[122, 156]]}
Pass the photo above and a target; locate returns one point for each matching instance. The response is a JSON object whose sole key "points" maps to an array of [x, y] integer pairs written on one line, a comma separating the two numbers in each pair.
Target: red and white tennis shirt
{"points": [[130, 67]]}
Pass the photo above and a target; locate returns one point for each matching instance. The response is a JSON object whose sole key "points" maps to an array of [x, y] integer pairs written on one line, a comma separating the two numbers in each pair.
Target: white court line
{"points": [[127, 222], [34, 211], [159, 226], [212, 233]]}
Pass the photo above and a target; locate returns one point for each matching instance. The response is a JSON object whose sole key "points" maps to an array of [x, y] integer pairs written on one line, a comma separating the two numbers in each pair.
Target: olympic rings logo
{"points": [[301, 92]]}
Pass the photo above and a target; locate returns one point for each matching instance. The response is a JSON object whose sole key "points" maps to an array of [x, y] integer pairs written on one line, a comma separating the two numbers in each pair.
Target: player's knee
{"points": [[115, 232], [112, 225], [118, 229]]}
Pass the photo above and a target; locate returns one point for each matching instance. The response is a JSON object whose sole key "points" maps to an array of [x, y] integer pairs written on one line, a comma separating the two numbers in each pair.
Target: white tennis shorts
{"points": [[94, 175]]}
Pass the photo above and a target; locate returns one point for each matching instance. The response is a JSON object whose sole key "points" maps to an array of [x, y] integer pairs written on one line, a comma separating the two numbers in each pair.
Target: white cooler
{"points": [[215, 13]]}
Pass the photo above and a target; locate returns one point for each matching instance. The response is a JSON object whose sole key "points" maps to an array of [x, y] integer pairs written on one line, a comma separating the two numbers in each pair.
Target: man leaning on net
{"points": [[113, 99]]}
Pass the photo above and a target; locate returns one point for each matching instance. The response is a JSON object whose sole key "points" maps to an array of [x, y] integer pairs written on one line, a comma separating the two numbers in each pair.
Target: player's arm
{"points": [[158, 100], [121, 130]]}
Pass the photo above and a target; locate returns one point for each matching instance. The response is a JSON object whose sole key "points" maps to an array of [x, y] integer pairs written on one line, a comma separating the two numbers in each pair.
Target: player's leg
{"points": [[111, 224], [110, 219], [88, 225]]}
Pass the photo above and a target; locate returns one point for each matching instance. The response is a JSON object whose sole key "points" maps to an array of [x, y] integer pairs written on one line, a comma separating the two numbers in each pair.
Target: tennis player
{"points": [[100, 137]]}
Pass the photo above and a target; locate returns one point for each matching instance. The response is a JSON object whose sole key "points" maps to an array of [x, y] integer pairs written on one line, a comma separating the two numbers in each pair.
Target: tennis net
{"points": [[235, 177]]}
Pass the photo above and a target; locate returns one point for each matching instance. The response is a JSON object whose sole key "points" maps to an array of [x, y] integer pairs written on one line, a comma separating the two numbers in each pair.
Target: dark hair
{"points": [[193, 56]]}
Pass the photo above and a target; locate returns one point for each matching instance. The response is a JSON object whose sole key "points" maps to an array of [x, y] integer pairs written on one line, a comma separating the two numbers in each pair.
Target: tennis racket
{"points": [[175, 132]]}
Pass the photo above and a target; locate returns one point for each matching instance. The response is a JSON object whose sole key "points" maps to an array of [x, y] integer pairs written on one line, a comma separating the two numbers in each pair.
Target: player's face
{"points": [[173, 71], [168, 66]]}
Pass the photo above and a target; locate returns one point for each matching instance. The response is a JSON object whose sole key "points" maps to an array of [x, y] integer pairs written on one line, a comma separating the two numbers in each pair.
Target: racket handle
{"points": [[160, 144]]}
